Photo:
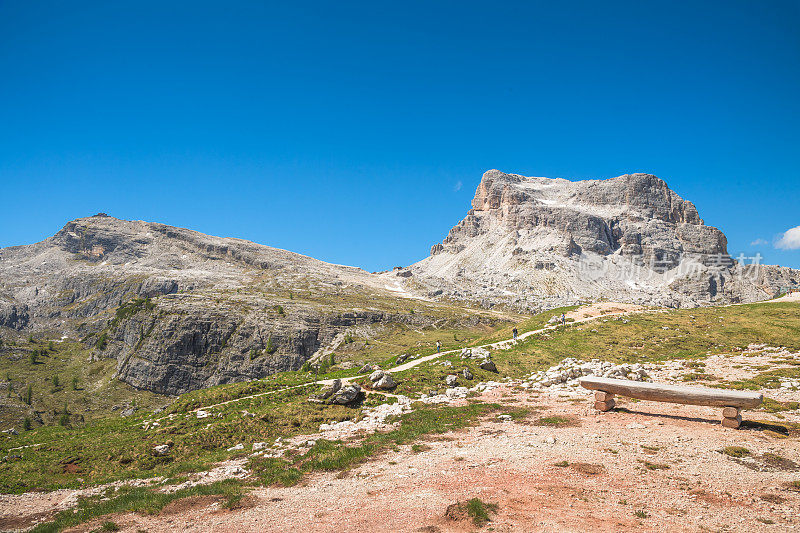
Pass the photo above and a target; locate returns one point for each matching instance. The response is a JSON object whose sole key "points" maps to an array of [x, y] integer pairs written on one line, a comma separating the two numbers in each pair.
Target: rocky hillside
{"points": [[180, 310], [529, 241]]}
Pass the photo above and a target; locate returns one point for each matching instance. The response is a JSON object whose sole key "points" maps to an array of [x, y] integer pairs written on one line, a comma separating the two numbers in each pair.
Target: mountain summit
{"points": [[529, 240]]}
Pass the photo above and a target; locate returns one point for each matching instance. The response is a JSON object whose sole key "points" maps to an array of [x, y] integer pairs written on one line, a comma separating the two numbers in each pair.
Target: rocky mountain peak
{"points": [[630, 237]]}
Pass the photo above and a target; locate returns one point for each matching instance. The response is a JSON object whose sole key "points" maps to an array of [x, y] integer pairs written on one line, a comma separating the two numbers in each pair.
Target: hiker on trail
{"points": [[514, 332], [438, 347], [563, 320]]}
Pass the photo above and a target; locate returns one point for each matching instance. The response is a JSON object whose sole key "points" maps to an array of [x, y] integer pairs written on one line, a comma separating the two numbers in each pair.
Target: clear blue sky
{"points": [[341, 130]]}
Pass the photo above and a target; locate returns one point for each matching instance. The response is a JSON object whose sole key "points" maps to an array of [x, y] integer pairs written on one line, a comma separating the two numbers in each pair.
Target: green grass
{"points": [[643, 339], [140, 500], [554, 421], [51, 384], [328, 455], [122, 449]]}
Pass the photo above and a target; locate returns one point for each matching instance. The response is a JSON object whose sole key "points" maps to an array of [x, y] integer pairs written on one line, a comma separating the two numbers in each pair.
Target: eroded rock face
{"points": [[14, 316], [529, 241]]}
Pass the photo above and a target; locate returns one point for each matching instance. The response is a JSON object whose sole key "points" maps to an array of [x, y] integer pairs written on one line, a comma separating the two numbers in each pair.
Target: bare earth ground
{"points": [[661, 459], [646, 467]]}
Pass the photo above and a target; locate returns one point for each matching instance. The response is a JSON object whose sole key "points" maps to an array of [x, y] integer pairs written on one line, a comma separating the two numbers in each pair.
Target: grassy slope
{"points": [[93, 395], [114, 448]]}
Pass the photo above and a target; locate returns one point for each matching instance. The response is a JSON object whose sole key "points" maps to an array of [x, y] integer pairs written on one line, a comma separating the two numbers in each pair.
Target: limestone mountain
{"points": [[530, 241], [181, 310]]}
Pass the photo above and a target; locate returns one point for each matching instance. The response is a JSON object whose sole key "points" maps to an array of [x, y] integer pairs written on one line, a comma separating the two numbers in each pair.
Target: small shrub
{"points": [[75, 383], [51, 347], [32, 357], [271, 348], [654, 466], [736, 451], [476, 509], [641, 514], [30, 339], [102, 341], [109, 526], [28, 397], [279, 310], [562, 464], [26, 424], [553, 421], [55, 381]]}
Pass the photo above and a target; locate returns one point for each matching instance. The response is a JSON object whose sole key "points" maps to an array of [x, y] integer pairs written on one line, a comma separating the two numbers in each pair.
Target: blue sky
{"points": [[342, 130]]}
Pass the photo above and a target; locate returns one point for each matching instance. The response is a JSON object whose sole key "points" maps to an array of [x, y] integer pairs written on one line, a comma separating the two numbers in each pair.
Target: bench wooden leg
{"points": [[731, 417], [604, 401]]}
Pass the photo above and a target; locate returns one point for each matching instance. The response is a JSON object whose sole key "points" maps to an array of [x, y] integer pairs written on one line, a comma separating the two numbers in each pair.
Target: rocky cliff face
{"points": [[180, 310], [533, 240]]}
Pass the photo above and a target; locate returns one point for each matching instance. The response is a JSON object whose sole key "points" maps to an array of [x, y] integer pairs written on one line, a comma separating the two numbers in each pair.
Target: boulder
{"points": [[346, 395], [375, 376], [385, 382], [329, 390], [451, 380], [488, 364], [467, 374]]}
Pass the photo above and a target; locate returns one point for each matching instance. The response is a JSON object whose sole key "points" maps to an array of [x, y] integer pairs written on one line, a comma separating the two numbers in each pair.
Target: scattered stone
{"points": [[127, 412], [161, 449], [451, 380], [366, 369], [259, 446], [202, 414], [239, 446], [457, 392], [467, 374]]}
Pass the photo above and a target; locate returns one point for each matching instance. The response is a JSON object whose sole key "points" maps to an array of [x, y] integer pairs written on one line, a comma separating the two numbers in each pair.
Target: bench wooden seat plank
{"points": [[661, 392]]}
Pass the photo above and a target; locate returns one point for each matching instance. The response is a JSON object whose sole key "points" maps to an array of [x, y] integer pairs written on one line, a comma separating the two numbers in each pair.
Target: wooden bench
{"points": [[731, 401]]}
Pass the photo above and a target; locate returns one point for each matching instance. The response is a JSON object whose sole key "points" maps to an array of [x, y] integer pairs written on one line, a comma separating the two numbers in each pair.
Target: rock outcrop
{"points": [[534, 241]]}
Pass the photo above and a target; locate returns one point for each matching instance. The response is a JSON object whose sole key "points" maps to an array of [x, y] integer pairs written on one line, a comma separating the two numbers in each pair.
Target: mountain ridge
{"points": [[180, 310]]}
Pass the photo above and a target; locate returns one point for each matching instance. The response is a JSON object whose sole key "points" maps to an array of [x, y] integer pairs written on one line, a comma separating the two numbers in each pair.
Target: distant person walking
{"points": [[438, 347], [563, 320], [514, 332]]}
